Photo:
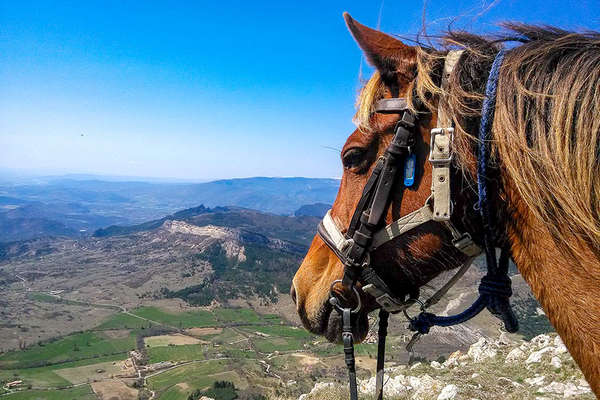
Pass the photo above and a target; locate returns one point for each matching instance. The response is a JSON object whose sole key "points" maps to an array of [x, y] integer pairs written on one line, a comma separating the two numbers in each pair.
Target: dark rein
{"points": [[369, 216]]}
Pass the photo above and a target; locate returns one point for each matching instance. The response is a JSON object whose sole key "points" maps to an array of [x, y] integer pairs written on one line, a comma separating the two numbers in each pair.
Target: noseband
{"points": [[367, 232]]}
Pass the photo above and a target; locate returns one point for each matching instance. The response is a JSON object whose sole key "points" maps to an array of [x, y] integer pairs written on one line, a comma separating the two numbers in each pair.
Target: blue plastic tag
{"points": [[409, 170]]}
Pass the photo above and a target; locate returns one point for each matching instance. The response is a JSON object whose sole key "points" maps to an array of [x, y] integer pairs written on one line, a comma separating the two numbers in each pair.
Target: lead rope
{"points": [[348, 339], [382, 333]]}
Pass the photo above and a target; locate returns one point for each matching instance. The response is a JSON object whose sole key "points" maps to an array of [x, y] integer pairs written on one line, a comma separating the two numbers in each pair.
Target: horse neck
{"points": [[567, 289]]}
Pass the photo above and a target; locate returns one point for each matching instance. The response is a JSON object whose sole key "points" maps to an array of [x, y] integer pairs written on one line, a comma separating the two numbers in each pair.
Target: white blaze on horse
{"points": [[459, 151]]}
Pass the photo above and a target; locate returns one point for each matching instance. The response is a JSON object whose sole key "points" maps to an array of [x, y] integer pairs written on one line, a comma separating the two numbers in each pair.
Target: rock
{"points": [[583, 382], [452, 360], [482, 350], [524, 346], [541, 341], [436, 365], [536, 356], [539, 311], [514, 355], [415, 365], [559, 346], [394, 387], [572, 390], [504, 339], [555, 362], [537, 381], [424, 386], [318, 386], [414, 382], [448, 392], [554, 387]]}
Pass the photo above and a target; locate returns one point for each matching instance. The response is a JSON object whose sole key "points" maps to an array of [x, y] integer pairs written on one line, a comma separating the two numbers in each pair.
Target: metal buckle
{"points": [[387, 302], [434, 133], [466, 245]]}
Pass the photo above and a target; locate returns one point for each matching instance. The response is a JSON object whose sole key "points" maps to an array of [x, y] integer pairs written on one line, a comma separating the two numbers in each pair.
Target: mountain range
{"points": [[78, 207]]}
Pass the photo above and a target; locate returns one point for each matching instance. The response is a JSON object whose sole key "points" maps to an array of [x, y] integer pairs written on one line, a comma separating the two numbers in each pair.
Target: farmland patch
{"points": [[114, 389], [176, 339]]}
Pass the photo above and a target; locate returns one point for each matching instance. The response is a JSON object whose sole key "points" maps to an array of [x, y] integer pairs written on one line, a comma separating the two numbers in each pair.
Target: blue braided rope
{"points": [[485, 128]]}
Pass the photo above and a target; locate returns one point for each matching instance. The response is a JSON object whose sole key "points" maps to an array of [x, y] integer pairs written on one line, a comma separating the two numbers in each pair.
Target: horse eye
{"points": [[353, 157]]}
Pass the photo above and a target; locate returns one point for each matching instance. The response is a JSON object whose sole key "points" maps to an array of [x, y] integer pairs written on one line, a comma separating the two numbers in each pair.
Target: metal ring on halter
{"points": [[333, 300], [414, 301]]}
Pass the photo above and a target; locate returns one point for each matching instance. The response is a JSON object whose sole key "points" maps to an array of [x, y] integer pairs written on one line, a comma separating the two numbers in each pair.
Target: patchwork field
{"points": [[171, 354], [87, 373]]}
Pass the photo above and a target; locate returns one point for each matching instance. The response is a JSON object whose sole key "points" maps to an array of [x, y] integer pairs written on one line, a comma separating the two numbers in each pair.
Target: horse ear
{"points": [[389, 55]]}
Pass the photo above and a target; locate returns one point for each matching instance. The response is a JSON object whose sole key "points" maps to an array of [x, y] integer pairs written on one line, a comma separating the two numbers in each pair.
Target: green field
{"points": [[195, 375], [187, 319], [74, 347], [227, 336], [123, 321], [186, 352], [175, 393], [238, 316], [83, 392]]}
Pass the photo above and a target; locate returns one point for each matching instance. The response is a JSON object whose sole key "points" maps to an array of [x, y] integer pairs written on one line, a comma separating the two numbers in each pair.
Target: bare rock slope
{"points": [[540, 369]]}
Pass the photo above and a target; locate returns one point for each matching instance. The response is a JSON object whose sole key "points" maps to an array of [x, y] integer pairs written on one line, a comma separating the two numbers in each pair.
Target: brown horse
{"points": [[546, 147]]}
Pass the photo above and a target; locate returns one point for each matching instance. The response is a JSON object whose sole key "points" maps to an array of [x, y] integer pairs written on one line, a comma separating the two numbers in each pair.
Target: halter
{"points": [[366, 231]]}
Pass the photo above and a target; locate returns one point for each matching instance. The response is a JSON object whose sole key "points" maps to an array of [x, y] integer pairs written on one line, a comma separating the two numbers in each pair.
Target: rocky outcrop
{"points": [[540, 369]]}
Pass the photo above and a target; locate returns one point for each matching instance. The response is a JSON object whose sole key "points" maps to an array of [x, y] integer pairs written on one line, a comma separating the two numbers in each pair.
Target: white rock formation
{"points": [[536, 381], [424, 386], [555, 362], [436, 365], [554, 387], [482, 350], [394, 387], [536, 356], [449, 392], [515, 355], [541, 341], [572, 390], [559, 346], [318, 387]]}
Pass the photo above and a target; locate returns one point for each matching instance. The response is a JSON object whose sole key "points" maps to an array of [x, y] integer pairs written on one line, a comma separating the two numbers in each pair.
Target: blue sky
{"points": [[204, 90]]}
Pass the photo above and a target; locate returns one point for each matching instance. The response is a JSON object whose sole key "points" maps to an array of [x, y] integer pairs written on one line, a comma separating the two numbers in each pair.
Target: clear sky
{"points": [[204, 90]]}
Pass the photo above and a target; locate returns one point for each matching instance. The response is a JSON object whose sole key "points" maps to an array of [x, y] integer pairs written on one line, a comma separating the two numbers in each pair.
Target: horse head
{"points": [[409, 261]]}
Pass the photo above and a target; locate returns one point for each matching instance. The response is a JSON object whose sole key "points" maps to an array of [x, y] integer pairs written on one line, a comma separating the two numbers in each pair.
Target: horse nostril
{"points": [[293, 293]]}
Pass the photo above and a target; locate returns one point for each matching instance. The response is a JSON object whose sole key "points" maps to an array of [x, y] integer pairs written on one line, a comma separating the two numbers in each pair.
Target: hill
{"points": [[200, 255]]}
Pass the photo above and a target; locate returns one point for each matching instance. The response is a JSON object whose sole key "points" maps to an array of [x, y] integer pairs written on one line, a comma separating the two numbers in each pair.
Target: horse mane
{"points": [[546, 133]]}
